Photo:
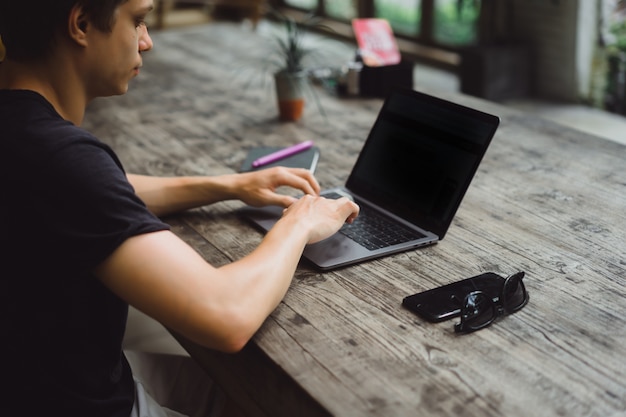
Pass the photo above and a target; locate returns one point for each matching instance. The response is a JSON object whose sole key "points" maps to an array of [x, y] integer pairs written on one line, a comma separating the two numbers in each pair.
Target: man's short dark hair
{"points": [[29, 27]]}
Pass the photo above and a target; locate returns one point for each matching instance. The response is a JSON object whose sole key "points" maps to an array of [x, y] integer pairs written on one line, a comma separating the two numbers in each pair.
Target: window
{"points": [[447, 24], [404, 16], [341, 9], [455, 22], [302, 4]]}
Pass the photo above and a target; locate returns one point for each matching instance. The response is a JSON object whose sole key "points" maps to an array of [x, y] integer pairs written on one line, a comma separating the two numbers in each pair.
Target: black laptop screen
{"points": [[420, 157]]}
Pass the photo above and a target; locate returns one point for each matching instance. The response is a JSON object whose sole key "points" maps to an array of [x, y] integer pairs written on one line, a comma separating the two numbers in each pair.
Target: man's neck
{"points": [[54, 82]]}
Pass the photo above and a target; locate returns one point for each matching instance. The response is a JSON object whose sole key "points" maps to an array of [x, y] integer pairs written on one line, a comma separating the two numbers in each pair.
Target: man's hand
{"points": [[259, 188], [321, 217]]}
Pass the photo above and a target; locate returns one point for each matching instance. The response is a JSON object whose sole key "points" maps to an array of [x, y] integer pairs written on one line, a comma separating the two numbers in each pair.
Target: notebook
{"points": [[412, 172], [306, 159]]}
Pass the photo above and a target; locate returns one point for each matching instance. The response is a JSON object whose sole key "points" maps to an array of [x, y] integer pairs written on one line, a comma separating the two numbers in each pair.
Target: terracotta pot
{"points": [[290, 88]]}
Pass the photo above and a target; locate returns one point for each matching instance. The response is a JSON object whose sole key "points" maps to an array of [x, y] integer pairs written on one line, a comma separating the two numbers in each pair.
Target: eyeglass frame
{"points": [[498, 306]]}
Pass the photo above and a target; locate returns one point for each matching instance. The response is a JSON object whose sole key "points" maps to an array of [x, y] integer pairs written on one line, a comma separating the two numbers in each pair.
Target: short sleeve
{"points": [[77, 204]]}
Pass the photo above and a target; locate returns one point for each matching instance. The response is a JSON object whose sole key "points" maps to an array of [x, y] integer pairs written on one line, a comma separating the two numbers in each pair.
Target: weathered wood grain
{"points": [[547, 200]]}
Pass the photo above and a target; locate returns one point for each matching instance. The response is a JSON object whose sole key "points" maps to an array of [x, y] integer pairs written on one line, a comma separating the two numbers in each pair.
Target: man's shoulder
{"points": [[52, 153], [30, 125], [26, 116], [11, 100]]}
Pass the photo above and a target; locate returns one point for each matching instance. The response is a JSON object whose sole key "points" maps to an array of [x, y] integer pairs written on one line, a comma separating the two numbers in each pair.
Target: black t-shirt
{"points": [[66, 205]]}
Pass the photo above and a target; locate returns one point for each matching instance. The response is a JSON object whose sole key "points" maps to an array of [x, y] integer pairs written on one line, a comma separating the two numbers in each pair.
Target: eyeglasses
{"points": [[479, 310]]}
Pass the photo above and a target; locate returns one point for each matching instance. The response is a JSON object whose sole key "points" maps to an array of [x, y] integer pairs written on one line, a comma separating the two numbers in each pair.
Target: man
{"points": [[81, 239]]}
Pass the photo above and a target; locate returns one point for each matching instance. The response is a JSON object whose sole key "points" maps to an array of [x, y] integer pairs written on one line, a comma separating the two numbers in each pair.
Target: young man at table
{"points": [[81, 239]]}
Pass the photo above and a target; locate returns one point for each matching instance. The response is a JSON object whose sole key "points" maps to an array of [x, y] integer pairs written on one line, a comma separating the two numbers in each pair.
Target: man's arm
{"points": [[222, 307], [165, 195]]}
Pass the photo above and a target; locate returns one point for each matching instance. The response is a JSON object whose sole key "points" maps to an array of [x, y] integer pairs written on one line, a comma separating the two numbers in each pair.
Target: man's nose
{"points": [[145, 41]]}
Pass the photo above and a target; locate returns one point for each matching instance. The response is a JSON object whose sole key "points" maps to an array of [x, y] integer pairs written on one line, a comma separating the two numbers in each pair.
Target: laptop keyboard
{"points": [[373, 230]]}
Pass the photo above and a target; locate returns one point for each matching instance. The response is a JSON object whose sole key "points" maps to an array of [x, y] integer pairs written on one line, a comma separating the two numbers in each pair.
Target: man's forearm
{"points": [[166, 195]]}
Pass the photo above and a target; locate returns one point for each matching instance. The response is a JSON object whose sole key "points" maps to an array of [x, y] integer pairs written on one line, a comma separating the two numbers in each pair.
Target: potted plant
{"points": [[291, 76]]}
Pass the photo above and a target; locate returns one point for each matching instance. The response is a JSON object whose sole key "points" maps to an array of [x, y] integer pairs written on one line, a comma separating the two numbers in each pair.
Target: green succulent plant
{"points": [[291, 50]]}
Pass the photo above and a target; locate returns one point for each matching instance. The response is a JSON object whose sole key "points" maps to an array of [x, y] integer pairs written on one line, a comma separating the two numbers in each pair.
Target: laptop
{"points": [[409, 179]]}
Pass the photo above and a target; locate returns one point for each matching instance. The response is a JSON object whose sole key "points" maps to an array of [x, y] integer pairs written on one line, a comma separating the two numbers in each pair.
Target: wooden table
{"points": [[547, 200]]}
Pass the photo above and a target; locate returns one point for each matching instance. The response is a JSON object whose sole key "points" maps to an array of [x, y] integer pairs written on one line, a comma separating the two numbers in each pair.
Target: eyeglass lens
{"points": [[479, 310]]}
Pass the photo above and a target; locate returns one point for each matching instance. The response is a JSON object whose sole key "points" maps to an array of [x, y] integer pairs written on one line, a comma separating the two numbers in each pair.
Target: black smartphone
{"points": [[443, 303]]}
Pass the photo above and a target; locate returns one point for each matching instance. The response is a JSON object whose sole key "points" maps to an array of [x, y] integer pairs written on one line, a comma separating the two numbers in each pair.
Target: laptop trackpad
{"points": [[334, 250], [264, 217]]}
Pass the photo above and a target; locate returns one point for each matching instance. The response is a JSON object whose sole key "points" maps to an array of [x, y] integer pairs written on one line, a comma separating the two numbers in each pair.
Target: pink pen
{"points": [[283, 153]]}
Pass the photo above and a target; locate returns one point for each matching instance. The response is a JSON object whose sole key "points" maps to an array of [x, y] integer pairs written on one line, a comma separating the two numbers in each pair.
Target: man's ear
{"points": [[78, 25]]}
